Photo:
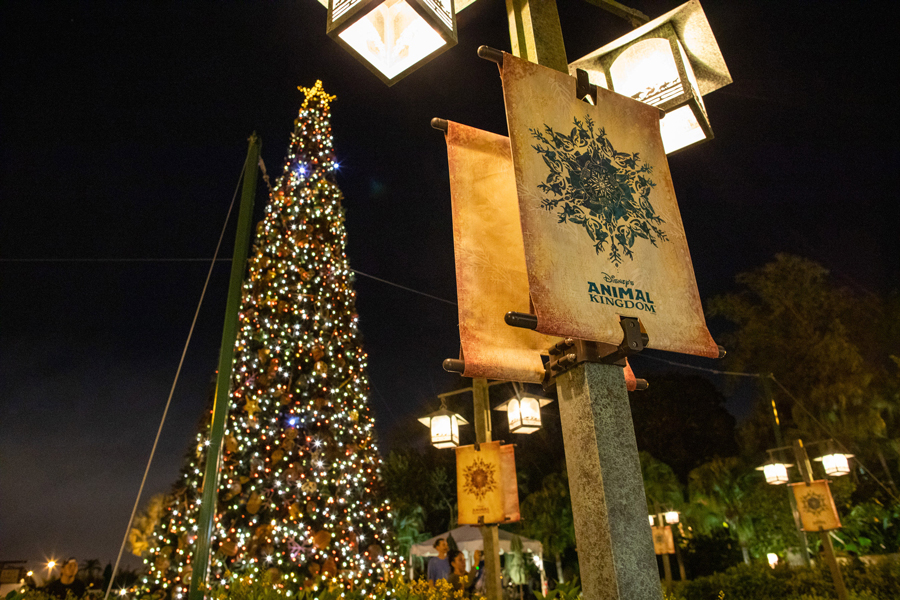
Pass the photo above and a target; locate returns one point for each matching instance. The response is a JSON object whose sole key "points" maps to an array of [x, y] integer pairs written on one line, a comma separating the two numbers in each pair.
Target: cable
{"points": [[687, 366], [403, 287], [174, 383]]}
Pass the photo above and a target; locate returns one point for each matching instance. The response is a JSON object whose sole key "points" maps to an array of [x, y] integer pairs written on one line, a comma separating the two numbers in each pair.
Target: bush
{"points": [[759, 582]]}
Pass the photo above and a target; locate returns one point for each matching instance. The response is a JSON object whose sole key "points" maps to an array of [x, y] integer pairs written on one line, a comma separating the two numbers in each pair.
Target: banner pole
{"points": [[209, 495], [489, 533]]}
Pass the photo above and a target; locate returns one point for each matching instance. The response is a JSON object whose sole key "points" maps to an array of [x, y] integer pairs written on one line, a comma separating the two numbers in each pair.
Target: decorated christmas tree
{"points": [[299, 489]]}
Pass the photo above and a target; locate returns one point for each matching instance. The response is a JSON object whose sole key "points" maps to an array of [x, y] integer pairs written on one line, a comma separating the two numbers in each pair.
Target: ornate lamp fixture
{"points": [[393, 38], [444, 425], [524, 411], [835, 463], [671, 62]]}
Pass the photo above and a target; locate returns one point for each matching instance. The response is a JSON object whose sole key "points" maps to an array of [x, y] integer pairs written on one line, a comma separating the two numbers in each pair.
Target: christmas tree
{"points": [[299, 488]]}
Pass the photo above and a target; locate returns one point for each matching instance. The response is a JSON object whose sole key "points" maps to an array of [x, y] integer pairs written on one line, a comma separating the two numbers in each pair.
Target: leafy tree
{"points": [[721, 489], [547, 517], [790, 319], [683, 418]]}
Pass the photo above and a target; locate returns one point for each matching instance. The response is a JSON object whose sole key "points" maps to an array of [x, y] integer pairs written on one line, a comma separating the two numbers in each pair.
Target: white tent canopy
{"points": [[468, 539]]}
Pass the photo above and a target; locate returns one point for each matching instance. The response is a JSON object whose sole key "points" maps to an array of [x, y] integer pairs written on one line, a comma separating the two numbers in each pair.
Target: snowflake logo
{"points": [[605, 191], [479, 479], [814, 503]]}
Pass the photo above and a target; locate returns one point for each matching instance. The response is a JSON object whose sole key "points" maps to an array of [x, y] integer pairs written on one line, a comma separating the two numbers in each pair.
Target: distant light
{"points": [[836, 464], [772, 558], [651, 520], [775, 472], [671, 517]]}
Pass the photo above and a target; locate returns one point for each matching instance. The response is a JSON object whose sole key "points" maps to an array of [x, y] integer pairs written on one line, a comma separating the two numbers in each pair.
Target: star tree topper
{"points": [[316, 94]]}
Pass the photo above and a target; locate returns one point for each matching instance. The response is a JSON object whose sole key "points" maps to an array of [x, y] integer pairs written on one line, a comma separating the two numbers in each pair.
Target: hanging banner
{"points": [[485, 484], [602, 232], [816, 506], [663, 540], [491, 278]]}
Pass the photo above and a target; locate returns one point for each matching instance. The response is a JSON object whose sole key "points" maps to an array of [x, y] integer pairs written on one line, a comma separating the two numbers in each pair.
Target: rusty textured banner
{"points": [[510, 484], [491, 277], [816, 506], [663, 540], [479, 484], [602, 231]]}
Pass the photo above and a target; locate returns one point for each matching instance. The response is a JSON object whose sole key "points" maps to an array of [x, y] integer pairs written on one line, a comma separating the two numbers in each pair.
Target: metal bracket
{"points": [[572, 352]]}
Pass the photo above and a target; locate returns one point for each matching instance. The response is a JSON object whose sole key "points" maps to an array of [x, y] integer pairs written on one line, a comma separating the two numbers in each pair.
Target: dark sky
{"points": [[124, 129]]}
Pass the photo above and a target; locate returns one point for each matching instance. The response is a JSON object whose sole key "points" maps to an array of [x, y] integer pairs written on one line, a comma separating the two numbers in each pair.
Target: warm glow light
{"points": [[651, 520], [444, 427], [392, 37], [523, 413], [51, 564], [772, 558], [671, 517], [679, 129], [776, 473], [836, 464]]}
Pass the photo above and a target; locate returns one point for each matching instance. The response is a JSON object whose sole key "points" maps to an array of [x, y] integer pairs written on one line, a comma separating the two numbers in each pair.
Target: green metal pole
{"points": [[223, 381]]}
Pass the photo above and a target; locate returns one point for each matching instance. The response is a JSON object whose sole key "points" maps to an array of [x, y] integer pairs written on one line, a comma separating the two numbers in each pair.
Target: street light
{"points": [[671, 62], [775, 472], [444, 425], [393, 38], [523, 411]]}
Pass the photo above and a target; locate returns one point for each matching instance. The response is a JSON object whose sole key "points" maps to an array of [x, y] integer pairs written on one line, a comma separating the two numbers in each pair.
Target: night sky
{"points": [[124, 129]]}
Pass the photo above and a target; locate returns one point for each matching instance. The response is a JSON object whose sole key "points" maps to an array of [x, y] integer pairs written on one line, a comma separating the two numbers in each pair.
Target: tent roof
{"points": [[468, 538]]}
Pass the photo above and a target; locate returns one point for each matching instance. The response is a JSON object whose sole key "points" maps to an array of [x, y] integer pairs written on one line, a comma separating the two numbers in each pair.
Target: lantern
{"points": [[393, 37], [775, 472], [671, 517], [524, 412], [836, 464], [444, 425], [671, 62], [651, 520], [772, 558]]}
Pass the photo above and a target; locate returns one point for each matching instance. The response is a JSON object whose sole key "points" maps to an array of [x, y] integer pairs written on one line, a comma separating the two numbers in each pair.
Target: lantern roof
{"points": [[692, 28], [774, 462], [442, 411], [844, 454], [504, 407]]}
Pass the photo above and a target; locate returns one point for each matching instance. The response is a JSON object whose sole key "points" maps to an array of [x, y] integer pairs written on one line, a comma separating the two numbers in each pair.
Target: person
{"points": [[460, 579], [439, 567], [66, 584]]}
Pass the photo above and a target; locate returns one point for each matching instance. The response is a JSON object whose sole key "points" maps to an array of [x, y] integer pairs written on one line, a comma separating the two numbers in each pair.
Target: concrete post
{"points": [[615, 543]]}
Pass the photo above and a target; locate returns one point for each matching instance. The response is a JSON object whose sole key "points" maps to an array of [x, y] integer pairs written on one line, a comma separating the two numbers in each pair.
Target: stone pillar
{"points": [[612, 532]]}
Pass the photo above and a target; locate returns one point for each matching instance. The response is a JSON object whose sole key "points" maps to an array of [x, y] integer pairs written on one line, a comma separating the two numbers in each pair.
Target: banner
{"points": [[486, 487], [663, 540], [816, 506], [491, 277], [602, 232]]}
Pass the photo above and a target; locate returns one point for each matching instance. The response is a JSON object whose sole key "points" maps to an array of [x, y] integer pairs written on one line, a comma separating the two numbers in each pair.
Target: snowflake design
{"points": [[479, 479], [592, 185], [814, 503]]}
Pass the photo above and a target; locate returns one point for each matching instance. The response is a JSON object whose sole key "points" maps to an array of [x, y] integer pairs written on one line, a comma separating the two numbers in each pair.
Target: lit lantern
{"points": [[836, 464], [671, 62], [444, 426], [671, 517], [775, 472], [651, 520], [524, 412], [772, 558], [393, 37]]}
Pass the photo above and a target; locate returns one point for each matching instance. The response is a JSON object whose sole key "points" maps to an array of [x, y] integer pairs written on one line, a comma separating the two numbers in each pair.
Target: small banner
{"points": [[663, 540], [816, 506], [601, 227], [486, 487], [491, 278]]}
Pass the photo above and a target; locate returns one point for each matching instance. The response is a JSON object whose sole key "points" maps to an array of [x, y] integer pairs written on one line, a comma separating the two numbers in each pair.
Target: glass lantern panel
{"points": [[647, 72], [531, 412], [672, 517], [392, 37], [514, 415], [444, 431], [836, 464], [776, 473], [680, 128]]}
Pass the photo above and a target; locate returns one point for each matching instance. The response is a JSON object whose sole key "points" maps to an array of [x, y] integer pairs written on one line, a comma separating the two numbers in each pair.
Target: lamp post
{"points": [[837, 463]]}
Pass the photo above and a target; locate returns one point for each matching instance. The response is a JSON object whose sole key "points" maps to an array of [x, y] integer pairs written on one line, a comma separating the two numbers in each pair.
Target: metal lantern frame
{"points": [[522, 426], [455, 421], [440, 15], [701, 68]]}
